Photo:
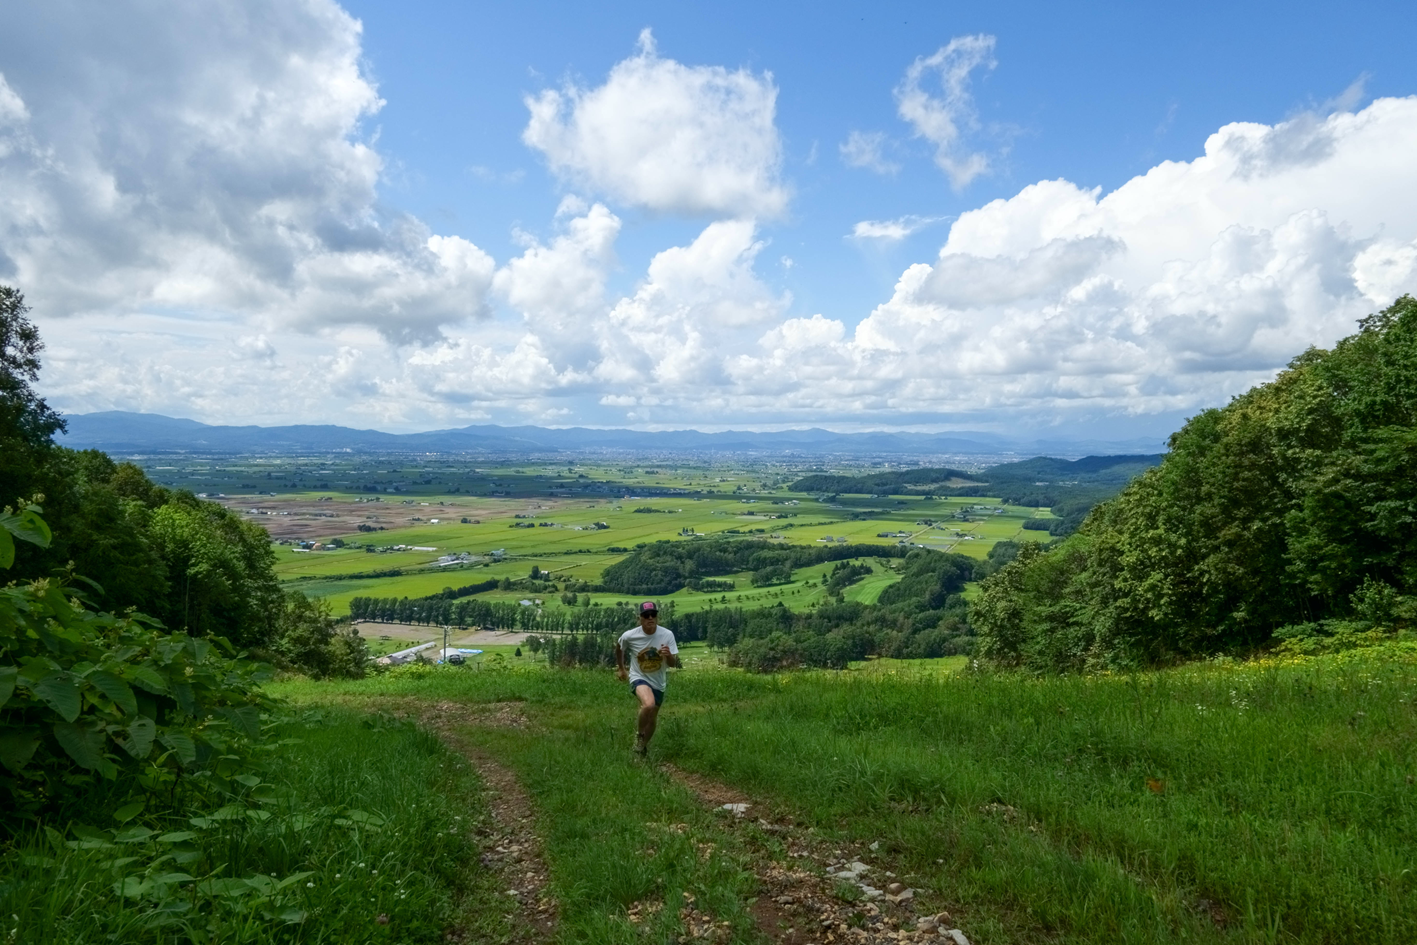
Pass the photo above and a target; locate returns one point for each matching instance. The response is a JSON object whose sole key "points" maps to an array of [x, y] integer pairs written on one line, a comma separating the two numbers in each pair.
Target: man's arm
{"points": [[620, 662]]}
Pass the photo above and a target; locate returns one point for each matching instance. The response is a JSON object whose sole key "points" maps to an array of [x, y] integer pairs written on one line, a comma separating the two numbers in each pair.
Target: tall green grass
{"points": [[618, 832], [357, 817], [1257, 802], [1247, 802]]}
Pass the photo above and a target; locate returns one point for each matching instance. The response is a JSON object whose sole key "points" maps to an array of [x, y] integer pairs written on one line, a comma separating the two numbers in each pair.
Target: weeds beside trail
{"points": [[356, 837], [1223, 802]]}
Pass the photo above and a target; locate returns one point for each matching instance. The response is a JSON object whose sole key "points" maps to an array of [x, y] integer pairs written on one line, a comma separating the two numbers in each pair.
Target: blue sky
{"points": [[303, 212], [1094, 94]]}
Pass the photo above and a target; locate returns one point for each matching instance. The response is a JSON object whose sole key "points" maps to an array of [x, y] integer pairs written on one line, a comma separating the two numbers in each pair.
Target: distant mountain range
{"points": [[123, 432]]}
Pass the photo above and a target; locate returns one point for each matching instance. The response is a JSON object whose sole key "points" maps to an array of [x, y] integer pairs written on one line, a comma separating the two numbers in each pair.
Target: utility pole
{"points": [[445, 643]]}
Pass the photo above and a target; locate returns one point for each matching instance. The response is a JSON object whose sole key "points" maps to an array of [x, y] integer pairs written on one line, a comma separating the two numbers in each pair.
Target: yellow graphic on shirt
{"points": [[649, 660]]}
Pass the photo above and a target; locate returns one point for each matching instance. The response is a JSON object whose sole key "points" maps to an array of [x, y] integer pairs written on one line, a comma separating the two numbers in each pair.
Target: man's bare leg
{"points": [[649, 715]]}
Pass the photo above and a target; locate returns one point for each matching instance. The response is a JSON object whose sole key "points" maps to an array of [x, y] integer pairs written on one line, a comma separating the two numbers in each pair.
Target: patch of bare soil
{"points": [[823, 894], [511, 845]]}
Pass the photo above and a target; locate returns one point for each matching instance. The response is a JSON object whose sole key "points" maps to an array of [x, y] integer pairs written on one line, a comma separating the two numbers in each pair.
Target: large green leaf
{"points": [[116, 689], [17, 746], [141, 732], [132, 886], [224, 887], [8, 675], [84, 745], [60, 694], [26, 526], [246, 718], [182, 744], [186, 701], [145, 677]]}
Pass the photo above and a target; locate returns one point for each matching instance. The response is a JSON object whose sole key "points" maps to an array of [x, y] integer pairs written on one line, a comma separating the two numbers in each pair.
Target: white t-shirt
{"points": [[642, 654]]}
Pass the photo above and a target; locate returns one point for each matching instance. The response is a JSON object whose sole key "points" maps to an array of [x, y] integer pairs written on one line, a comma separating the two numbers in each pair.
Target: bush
{"points": [[85, 693], [309, 641], [766, 654]]}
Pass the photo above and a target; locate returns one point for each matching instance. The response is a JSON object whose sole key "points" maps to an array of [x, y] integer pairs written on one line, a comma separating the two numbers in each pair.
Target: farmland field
{"points": [[569, 520]]}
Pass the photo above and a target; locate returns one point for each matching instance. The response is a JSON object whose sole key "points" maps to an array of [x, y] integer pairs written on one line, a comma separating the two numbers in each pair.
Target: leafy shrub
{"points": [[767, 654], [84, 692], [1329, 636], [309, 641]]}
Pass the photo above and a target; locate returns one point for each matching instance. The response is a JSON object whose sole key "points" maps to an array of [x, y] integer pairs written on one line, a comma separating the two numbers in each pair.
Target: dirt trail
{"points": [[801, 903], [508, 838], [812, 892]]}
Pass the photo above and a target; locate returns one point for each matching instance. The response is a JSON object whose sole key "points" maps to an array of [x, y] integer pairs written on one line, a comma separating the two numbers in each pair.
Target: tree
{"points": [[221, 571], [26, 422], [25, 418], [1291, 505], [308, 639]]}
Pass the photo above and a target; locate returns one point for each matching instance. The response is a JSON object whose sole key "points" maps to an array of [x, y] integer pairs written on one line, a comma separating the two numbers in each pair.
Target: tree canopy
{"points": [[1294, 504]]}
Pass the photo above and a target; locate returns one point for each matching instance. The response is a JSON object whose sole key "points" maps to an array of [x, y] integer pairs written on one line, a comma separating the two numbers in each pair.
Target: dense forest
{"points": [[1291, 512], [893, 482], [665, 567], [1068, 488]]}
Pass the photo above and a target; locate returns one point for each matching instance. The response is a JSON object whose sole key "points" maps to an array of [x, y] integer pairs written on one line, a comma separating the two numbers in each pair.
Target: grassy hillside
{"points": [[1261, 802]]}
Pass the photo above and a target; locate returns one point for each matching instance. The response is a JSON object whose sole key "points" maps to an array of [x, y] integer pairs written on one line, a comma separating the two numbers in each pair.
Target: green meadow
{"points": [[1258, 802]]}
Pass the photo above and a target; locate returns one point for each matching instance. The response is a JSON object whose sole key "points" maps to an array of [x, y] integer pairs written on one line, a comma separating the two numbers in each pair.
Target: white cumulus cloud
{"points": [[560, 287], [1178, 289], [696, 304], [672, 138], [209, 159], [190, 201], [942, 118]]}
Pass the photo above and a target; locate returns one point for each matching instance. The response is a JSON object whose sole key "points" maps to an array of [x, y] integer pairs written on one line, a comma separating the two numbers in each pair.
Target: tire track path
{"points": [[512, 846], [802, 899]]}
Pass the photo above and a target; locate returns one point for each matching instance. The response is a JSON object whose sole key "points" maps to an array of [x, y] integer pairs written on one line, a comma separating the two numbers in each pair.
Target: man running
{"points": [[648, 649]]}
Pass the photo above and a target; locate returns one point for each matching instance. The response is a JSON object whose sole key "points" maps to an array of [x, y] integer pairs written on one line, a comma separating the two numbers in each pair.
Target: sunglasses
{"points": [[648, 613]]}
